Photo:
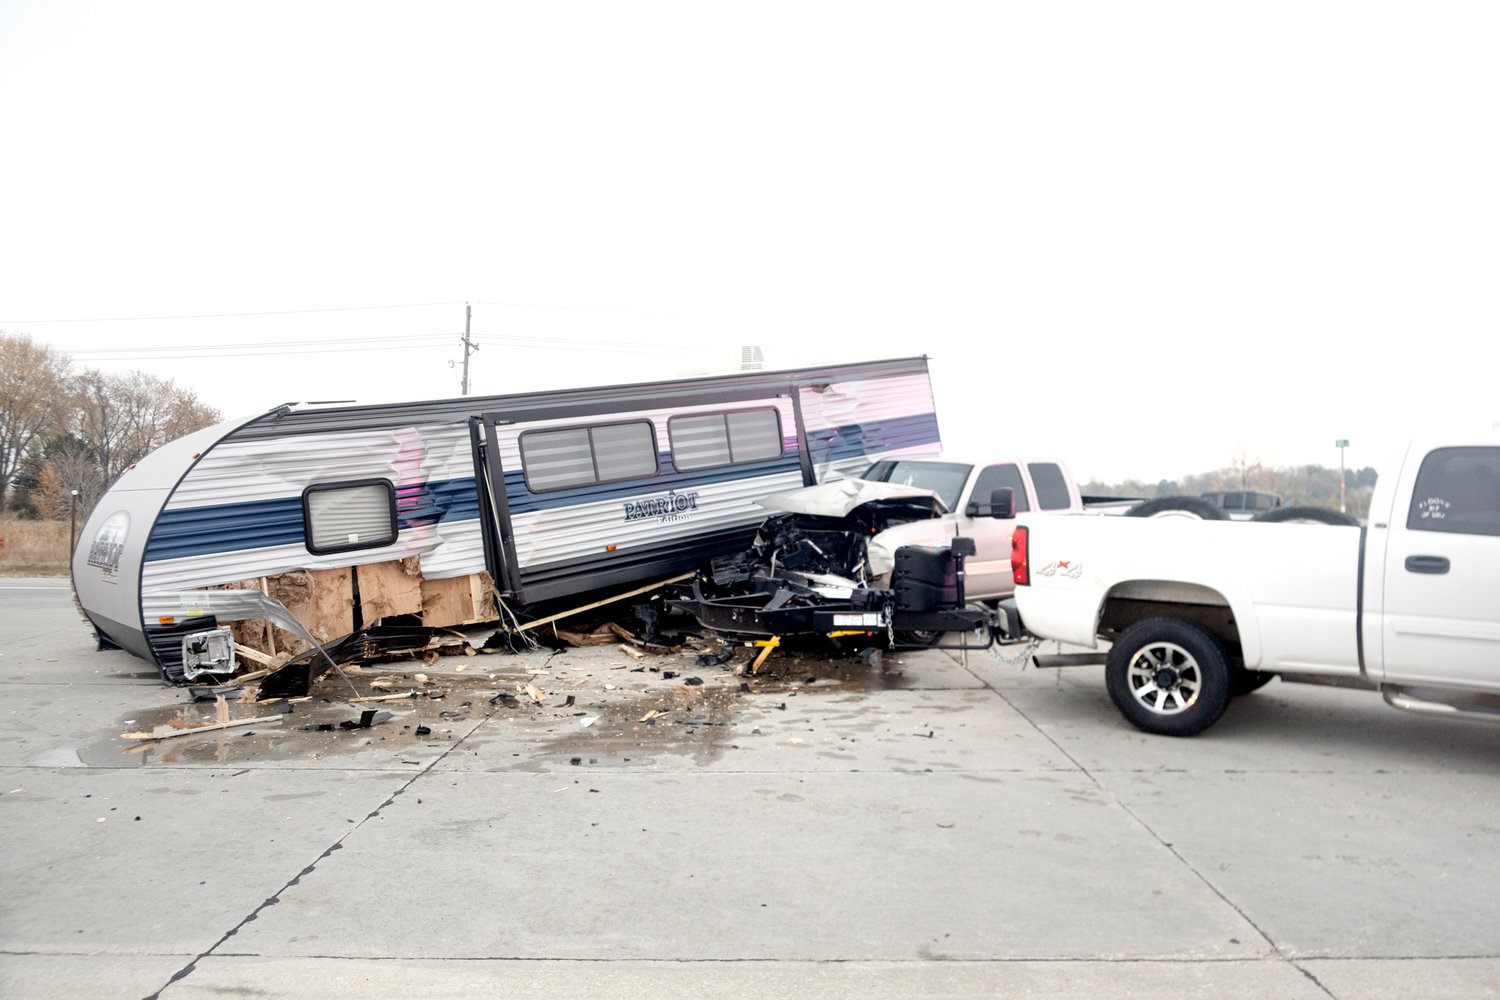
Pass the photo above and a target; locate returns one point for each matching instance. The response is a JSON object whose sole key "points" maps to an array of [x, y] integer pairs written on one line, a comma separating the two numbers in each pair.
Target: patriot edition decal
{"points": [[666, 509]]}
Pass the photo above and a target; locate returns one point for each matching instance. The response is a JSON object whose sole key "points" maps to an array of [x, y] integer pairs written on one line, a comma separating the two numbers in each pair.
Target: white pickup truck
{"points": [[1195, 612]]}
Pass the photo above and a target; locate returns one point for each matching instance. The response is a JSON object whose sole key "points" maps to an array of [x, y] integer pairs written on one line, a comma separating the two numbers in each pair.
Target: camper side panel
{"points": [[586, 535], [240, 513], [851, 424], [696, 503]]}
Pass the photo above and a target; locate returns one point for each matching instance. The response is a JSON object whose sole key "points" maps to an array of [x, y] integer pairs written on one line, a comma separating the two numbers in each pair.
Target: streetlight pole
{"points": [[1341, 444], [72, 524]]}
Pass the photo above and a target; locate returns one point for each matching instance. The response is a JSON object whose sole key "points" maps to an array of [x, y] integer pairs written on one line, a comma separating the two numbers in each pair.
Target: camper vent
{"points": [[752, 359]]}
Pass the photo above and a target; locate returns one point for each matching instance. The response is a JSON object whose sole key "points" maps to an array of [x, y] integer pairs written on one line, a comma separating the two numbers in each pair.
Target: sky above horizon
{"points": [[1151, 239]]}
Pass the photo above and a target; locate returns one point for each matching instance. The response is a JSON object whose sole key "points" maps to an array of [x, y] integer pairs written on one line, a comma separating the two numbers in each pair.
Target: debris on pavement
{"points": [[369, 717], [181, 727]]}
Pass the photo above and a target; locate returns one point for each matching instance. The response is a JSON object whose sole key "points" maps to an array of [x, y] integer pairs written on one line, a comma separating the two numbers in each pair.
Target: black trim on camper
{"points": [[378, 542]]}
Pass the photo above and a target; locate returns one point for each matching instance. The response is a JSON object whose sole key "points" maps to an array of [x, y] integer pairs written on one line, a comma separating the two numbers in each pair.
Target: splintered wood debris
{"points": [[180, 727]]}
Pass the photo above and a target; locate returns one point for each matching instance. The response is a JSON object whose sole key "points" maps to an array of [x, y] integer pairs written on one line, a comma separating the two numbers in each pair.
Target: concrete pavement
{"points": [[933, 826]]}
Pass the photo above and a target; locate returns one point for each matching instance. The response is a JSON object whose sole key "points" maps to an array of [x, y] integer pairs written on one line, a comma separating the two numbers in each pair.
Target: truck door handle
{"points": [[1427, 564]]}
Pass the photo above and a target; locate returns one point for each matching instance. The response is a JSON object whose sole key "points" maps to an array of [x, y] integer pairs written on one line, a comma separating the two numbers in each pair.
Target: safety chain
{"points": [[1023, 657]]}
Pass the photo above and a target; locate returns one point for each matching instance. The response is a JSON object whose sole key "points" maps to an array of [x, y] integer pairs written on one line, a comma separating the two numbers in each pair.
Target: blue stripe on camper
{"points": [[873, 437], [255, 524], [226, 527], [258, 524]]}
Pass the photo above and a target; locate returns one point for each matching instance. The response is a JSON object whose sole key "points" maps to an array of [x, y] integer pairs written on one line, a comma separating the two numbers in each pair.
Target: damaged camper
{"points": [[273, 535]]}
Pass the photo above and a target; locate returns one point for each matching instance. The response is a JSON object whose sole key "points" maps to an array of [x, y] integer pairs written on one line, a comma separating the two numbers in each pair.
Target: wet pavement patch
{"points": [[559, 706]]}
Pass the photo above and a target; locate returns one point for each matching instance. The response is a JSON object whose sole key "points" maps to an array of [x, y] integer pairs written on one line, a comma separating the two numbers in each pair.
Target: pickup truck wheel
{"points": [[1192, 507], [1168, 677], [1307, 515]]}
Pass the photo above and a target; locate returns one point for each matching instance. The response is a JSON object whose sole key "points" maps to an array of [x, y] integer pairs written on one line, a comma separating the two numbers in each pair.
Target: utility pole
{"points": [[1341, 444], [469, 346]]}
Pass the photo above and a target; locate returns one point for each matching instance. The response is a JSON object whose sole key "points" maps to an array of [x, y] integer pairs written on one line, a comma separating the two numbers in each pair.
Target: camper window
{"points": [[338, 517], [710, 440], [582, 456]]}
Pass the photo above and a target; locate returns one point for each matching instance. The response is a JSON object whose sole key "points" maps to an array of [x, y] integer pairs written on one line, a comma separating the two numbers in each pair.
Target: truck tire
{"points": [[1307, 515], [1192, 507], [1168, 677]]}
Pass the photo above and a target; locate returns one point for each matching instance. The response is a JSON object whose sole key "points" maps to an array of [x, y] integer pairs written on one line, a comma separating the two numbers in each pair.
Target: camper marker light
{"points": [[166, 619], [610, 548], [1018, 558]]}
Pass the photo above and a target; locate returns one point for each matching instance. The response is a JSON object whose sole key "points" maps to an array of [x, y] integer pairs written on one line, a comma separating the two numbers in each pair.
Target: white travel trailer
{"points": [[324, 519]]}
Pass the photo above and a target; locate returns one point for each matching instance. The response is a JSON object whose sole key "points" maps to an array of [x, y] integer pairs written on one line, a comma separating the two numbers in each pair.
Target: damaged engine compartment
{"points": [[819, 573]]}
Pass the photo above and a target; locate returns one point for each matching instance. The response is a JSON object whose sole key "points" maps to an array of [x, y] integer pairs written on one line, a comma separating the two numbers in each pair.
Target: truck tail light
{"points": [[1019, 556]]}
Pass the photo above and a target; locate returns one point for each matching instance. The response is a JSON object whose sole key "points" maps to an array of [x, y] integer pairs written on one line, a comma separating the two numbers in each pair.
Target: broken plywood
{"points": [[462, 600], [323, 600], [388, 589]]}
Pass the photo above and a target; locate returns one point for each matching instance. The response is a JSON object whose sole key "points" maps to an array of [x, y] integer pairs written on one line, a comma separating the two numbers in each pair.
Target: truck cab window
{"points": [[1457, 491], [995, 477], [1051, 486], [946, 479]]}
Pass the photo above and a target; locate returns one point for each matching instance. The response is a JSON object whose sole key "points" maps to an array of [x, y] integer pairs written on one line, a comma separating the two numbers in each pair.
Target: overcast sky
{"points": [[1147, 238]]}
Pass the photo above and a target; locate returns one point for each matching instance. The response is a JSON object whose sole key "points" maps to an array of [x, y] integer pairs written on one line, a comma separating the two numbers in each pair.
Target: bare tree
{"points": [[65, 472], [122, 418], [33, 398]]}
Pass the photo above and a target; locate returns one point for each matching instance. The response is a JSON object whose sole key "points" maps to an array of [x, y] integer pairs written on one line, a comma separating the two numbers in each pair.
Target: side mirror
{"points": [[1003, 503]]}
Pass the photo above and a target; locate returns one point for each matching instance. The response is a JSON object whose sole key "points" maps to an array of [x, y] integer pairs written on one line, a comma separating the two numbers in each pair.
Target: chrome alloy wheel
{"points": [[1164, 678]]}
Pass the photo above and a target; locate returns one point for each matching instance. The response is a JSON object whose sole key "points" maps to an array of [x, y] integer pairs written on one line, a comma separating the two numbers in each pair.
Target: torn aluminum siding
{"points": [[230, 506]]}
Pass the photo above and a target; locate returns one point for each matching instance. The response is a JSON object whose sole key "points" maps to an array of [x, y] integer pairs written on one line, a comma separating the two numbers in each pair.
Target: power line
{"points": [[209, 352], [408, 342], [233, 315], [170, 350], [335, 309]]}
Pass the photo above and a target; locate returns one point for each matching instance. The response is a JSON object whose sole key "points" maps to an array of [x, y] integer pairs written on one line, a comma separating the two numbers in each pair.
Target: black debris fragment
{"points": [[693, 681], [716, 658], [508, 700], [423, 731], [667, 675], [367, 718], [213, 692], [569, 702]]}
